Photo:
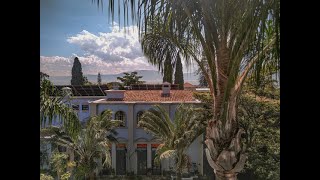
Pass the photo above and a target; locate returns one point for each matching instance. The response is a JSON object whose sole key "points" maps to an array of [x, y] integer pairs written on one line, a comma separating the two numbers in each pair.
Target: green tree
{"points": [[238, 38], [46, 177], [90, 144], [77, 75], [130, 79], [56, 108], [43, 76], [167, 70], [86, 81], [202, 79], [59, 163], [260, 117], [99, 79], [176, 135], [178, 75]]}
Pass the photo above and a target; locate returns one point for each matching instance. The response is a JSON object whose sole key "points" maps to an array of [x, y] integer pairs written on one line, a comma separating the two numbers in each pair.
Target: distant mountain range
{"points": [[149, 76]]}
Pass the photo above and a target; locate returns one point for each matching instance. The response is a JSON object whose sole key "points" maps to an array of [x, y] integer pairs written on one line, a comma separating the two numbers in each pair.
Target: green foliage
{"points": [[77, 75], [86, 81], [202, 79], [176, 135], [65, 176], [46, 177], [59, 162], [167, 70], [130, 79], [233, 35], [91, 143], [55, 108], [44, 158], [260, 118], [178, 75], [111, 84], [99, 79], [43, 76]]}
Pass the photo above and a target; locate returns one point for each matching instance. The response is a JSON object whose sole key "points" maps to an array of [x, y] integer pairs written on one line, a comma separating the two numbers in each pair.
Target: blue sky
{"points": [[60, 19], [70, 28]]}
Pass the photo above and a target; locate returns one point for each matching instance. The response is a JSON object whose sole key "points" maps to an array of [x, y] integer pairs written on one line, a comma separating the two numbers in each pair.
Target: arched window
{"points": [[139, 114], [120, 115]]}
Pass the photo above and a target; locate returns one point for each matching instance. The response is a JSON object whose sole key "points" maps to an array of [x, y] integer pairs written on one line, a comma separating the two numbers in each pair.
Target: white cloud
{"points": [[107, 53], [114, 46]]}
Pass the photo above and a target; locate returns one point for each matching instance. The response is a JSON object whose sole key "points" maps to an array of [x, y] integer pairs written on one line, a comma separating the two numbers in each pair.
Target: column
{"points": [[93, 109], [113, 154], [149, 165], [131, 147]]}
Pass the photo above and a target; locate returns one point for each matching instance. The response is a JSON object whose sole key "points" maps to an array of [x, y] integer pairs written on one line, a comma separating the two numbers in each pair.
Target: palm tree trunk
{"points": [[224, 151], [225, 176]]}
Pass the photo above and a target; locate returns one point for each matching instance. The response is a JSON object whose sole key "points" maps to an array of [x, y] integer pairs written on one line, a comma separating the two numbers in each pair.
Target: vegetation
{"points": [[43, 76], [86, 81], [178, 75], [130, 79], [239, 38], [77, 75], [59, 163], [202, 79], [90, 144], [259, 117], [46, 177], [99, 79], [56, 109], [176, 135], [111, 85], [167, 70]]}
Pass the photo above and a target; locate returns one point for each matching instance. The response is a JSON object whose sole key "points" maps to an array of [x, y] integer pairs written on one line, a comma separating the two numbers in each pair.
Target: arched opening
{"points": [[139, 115], [121, 116]]}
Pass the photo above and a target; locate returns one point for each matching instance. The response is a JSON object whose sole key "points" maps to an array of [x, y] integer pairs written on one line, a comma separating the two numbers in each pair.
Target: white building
{"points": [[136, 148]]}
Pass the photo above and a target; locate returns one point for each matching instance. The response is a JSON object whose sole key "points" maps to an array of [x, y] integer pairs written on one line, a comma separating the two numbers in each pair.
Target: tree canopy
{"points": [[130, 79], [76, 72]]}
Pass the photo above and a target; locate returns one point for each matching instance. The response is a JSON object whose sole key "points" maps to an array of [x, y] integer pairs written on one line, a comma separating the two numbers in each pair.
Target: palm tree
{"points": [[234, 36], [177, 134], [55, 108], [91, 144]]}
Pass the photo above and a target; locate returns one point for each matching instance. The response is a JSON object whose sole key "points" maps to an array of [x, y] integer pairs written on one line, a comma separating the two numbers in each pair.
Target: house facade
{"points": [[135, 150]]}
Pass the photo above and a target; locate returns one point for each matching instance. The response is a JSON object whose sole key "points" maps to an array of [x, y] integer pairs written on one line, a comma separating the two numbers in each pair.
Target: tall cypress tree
{"points": [[178, 75], [99, 78], [77, 75], [167, 70]]}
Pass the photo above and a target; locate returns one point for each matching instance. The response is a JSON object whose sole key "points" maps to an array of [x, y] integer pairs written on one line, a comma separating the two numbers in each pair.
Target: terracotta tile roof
{"points": [[155, 95], [188, 85]]}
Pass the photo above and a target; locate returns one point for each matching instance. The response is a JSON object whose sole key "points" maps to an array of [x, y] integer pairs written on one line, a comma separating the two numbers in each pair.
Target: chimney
{"points": [[166, 89], [116, 95]]}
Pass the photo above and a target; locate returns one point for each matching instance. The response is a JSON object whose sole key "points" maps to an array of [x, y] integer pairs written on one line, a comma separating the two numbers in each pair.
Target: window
{"points": [[75, 107], [120, 115], [139, 114], [85, 107]]}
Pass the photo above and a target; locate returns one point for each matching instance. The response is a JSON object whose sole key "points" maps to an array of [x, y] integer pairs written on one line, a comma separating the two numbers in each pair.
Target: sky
{"points": [[70, 28]]}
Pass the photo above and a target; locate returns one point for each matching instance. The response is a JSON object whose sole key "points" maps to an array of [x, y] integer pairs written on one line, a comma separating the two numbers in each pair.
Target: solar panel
{"points": [[86, 90], [152, 86]]}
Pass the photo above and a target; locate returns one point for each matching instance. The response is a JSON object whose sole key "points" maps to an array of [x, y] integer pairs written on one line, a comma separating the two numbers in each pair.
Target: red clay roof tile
{"points": [[155, 95]]}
